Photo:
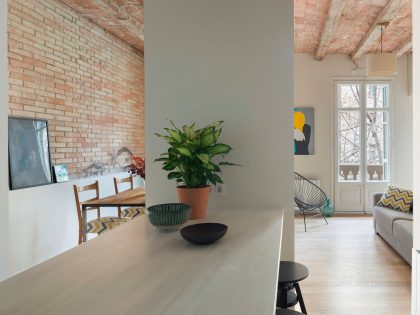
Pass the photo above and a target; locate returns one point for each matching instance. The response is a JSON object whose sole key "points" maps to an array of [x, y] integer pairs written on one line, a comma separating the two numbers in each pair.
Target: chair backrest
{"points": [[79, 189], [307, 194], [128, 179], [117, 181]]}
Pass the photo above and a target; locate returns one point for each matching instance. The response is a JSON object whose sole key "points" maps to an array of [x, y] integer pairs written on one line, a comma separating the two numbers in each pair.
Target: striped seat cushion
{"points": [[397, 198], [104, 224], [132, 212]]}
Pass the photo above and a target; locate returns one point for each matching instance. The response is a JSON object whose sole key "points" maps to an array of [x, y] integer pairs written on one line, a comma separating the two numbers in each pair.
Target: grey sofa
{"points": [[395, 227]]}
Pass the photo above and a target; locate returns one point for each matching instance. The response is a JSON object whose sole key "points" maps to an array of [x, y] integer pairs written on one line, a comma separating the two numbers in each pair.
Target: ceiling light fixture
{"points": [[381, 64]]}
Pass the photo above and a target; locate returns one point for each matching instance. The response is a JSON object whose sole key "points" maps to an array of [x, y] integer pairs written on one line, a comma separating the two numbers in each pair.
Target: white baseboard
{"points": [[352, 212]]}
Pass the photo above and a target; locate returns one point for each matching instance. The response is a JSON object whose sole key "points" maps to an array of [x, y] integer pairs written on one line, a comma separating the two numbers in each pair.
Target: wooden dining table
{"points": [[129, 198]]}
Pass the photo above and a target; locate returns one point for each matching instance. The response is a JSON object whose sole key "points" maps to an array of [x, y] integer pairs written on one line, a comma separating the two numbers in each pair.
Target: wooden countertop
{"points": [[135, 269]]}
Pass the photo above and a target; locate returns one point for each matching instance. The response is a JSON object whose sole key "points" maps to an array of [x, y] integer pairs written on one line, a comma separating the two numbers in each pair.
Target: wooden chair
{"points": [[98, 225], [132, 212]]}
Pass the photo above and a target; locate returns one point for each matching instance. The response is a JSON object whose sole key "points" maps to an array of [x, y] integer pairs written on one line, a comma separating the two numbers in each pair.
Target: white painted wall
{"points": [[416, 119], [4, 185], [403, 113], [415, 309], [314, 88], [208, 61]]}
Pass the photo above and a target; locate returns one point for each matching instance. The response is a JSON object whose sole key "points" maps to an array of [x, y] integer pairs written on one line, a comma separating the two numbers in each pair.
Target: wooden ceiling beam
{"points": [[388, 14], [406, 47], [330, 26]]}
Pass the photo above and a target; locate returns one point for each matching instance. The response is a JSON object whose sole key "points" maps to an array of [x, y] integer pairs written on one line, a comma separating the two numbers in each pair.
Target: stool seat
{"points": [[292, 272], [280, 311]]}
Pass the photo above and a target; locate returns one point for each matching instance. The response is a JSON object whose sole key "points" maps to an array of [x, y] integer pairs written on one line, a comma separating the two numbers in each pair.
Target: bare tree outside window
{"points": [[375, 129]]}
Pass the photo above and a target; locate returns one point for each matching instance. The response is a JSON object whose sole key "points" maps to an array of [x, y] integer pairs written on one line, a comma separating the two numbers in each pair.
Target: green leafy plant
{"points": [[190, 156]]}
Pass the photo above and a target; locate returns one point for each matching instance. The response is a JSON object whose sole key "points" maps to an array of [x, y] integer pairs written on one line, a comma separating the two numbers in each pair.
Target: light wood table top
{"points": [[127, 198], [134, 269]]}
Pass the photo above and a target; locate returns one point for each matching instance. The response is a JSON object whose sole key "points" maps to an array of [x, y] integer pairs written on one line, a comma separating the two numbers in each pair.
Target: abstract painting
{"points": [[29, 153], [304, 120]]}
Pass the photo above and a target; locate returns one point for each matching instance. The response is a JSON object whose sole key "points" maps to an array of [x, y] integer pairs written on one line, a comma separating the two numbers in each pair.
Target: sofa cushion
{"points": [[386, 217], [397, 198], [403, 238]]}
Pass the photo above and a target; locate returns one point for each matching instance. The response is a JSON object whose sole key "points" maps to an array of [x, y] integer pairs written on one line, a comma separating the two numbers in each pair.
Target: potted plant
{"points": [[190, 161]]}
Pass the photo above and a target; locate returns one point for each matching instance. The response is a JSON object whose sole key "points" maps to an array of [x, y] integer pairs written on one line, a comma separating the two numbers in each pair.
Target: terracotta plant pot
{"points": [[197, 198]]}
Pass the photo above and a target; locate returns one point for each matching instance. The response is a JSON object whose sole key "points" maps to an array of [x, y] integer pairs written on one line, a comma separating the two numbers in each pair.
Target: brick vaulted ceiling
{"points": [[351, 26], [123, 18], [322, 27]]}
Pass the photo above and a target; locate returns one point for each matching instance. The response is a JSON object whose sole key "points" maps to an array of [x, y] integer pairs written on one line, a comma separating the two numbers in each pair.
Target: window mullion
{"points": [[363, 128]]}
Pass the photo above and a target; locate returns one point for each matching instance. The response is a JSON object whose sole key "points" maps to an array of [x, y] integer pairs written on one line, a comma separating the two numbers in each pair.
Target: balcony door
{"points": [[362, 146]]}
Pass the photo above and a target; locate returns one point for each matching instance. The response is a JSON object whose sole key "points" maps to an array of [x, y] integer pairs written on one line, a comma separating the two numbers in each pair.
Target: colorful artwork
{"points": [[60, 173], [304, 131]]}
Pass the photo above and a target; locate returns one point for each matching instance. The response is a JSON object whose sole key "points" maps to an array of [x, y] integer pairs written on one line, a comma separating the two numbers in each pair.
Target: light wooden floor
{"points": [[352, 271]]}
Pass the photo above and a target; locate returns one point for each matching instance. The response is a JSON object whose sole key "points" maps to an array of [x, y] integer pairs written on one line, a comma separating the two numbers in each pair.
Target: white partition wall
{"points": [[4, 185], [416, 118], [232, 61], [416, 150]]}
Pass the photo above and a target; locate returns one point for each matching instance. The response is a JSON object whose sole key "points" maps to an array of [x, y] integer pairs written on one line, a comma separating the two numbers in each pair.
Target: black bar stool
{"points": [[290, 274], [279, 311]]}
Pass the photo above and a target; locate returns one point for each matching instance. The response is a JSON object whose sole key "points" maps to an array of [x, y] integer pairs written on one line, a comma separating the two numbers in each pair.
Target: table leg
{"points": [[84, 215]]}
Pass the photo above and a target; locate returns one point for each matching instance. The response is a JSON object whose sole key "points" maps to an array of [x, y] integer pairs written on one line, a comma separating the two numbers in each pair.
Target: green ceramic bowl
{"points": [[168, 217]]}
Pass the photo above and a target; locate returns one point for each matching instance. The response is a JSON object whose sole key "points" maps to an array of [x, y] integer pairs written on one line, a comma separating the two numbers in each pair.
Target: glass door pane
{"points": [[377, 95], [348, 96], [349, 145], [377, 146], [349, 132]]}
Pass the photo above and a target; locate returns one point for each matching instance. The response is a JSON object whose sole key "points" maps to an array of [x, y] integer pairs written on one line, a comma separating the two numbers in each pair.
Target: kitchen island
{"points": [[135, 269]]}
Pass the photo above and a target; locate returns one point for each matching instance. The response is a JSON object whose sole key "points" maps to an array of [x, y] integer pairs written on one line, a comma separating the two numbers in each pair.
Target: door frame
{"points": [[334, 119]]}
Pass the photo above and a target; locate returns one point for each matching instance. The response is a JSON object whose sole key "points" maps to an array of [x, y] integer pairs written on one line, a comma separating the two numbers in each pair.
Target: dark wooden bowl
{"points": [[204, 233]]}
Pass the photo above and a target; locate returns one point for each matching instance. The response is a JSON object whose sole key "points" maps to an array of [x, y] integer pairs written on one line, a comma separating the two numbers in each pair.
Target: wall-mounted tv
{"points": [[29, 153]]}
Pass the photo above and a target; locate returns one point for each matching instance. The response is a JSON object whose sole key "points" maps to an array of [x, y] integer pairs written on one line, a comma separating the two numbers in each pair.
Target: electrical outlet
{"points": [[219, 190]]}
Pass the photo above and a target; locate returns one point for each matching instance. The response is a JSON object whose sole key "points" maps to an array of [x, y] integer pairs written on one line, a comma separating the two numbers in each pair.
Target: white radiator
{"points": [[316, 182]]}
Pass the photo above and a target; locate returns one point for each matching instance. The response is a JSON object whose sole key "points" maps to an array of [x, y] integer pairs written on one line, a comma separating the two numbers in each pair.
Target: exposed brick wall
{"points": [[86, 82]]}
